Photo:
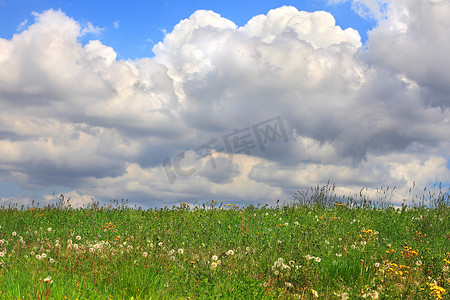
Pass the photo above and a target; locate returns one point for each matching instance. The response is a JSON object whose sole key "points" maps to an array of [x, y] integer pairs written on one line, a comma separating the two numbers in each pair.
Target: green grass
{"points": [[319, 244]]}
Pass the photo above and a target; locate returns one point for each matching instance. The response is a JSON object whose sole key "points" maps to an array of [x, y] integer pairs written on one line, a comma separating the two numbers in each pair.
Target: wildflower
{"points": [[14, 233], [172, 257], [32, 253], [48, 279], [172, 252], [277, 272], [2, 254], [75, 246], [51, 260], [363, 243], [230, 252], [69, 241], [43, 255], [286, 224], [214, 258], [38, 257], [309, 257], [248, 249], [315, 294], [296, 223], [288, 284], [317, 259], [78, 237], [49, 229], [418, 263], [160, 244], [213, 265], [338, 254], [91, 250], [180, 251], [291, 262], [353, 246], [373, 294], [377, 265], [144, 254]]}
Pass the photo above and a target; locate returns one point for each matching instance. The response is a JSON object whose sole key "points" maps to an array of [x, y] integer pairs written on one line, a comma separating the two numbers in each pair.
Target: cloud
{"points": [[116, 24], [410, 42], [22, 25], [298, 100]]}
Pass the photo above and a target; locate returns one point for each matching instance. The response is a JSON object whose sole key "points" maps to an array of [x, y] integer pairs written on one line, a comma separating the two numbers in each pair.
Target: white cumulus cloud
{"points": [[73, 116]]}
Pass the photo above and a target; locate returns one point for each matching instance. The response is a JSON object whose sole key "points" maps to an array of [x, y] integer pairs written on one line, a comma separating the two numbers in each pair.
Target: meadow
{"points": [[320, 246]]}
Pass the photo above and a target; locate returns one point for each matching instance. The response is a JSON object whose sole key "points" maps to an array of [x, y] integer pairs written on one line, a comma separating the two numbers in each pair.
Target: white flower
{"points": [[318, 259], [418, 263], [172, 252], [363, 243], [277, 272], [286, 224], [49, 229], [315, 294], [338, 254], [78, 237], [69, 241], [144, 254], [213, 265], [38, 257], [180, 251], [214, 258], [91, 249], [172, 257], [296, 223], [160, 244], [52, 260], [230, 252], [377, 265], [288, 284], [308, 257], [373, 295], [2, 254], [43, 255], [14, 233], [75, 246]]}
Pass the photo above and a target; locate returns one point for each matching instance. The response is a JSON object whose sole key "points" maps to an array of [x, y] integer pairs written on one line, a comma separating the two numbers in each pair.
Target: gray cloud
{"points": [[75, 116]]}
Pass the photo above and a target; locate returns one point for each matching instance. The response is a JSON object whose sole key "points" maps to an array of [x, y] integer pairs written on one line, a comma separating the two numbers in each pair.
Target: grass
{"points": [[319, 246]]}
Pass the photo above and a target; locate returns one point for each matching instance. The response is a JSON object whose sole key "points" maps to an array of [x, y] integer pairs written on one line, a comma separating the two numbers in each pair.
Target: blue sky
{"points": [[133, 27], [183, 101]]}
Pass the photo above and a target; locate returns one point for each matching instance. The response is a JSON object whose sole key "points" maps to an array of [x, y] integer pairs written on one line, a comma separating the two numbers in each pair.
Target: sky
{"points": [[247, 103]]}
